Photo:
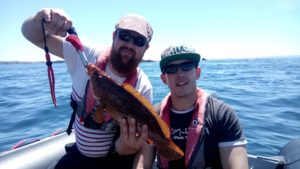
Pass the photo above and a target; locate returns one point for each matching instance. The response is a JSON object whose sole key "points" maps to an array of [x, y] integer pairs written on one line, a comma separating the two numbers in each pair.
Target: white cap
{"points": [[136, 23]]}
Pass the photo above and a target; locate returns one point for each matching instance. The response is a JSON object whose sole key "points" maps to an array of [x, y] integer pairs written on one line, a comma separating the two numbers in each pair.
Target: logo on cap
{"points": [[178, 50]]}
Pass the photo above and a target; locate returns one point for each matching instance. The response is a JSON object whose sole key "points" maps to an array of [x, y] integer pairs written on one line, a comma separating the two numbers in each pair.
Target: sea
{"points": [[265, 93]]}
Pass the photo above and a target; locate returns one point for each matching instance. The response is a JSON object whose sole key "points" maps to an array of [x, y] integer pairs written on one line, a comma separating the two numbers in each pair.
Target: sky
{"points": [[217, 29]]}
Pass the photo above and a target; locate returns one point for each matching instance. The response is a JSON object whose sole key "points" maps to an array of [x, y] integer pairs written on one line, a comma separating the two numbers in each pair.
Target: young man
{"points": [[98, 145], [205, 128]]}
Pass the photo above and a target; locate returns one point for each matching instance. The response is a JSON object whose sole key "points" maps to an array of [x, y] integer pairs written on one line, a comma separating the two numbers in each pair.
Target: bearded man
{"points": [[99, 144]]}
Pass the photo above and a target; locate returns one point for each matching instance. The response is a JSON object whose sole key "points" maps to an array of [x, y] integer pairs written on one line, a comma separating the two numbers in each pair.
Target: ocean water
{"points": [[265, 92]]}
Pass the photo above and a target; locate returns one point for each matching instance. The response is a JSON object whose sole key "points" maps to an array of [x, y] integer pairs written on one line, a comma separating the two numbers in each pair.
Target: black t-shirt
{"points": [[179, 131], [221, 125]]}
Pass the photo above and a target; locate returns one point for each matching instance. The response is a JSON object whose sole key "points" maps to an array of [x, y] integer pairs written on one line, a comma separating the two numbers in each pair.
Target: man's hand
{"points": [[130, 140], [57, 21], [56, 25]]}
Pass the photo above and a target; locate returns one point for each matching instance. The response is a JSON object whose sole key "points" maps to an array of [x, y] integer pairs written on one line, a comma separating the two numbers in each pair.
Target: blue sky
{"points": [[217, 29]]}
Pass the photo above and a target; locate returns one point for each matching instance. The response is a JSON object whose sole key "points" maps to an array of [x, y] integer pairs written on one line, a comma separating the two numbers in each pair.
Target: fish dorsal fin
{"points": [[147, 104]]}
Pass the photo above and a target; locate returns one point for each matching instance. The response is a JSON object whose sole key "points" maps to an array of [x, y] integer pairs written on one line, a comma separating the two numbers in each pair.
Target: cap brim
{"points": [[135, 29], [186, 56]]}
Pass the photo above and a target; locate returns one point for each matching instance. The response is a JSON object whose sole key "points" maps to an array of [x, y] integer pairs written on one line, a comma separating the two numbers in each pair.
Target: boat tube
{"points": [[42, 154], [45, 153]]}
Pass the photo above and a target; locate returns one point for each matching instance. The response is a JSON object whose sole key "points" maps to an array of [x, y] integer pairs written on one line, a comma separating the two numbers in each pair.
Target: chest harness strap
{"points": [[100, 63]]}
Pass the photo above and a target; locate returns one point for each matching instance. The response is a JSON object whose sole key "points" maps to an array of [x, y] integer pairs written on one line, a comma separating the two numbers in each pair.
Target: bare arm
{"points": [[56, 25], [234, 157]]}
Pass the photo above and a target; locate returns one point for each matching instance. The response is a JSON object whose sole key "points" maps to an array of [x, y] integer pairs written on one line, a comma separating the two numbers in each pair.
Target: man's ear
{"points": [[164, 78], [198, 72], [147, 46]]}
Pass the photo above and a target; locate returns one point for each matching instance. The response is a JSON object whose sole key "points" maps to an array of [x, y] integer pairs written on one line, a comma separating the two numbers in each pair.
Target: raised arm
{"points": [[56, 25]]}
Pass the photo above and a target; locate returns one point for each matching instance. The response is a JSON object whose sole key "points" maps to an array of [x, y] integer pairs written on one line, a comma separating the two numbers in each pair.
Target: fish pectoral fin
{"points": [[99, 117], [148, 141]]}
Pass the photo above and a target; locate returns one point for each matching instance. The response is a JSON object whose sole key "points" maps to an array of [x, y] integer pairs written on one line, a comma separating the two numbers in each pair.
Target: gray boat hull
{"points": [[45, 153]]}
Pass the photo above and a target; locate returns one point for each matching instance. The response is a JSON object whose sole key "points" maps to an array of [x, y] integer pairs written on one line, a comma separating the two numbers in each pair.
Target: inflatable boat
{"points": [[44, 154]]}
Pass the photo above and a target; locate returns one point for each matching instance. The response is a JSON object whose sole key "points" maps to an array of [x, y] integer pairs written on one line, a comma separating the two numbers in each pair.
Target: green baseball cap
{"points": [[178, 52]]}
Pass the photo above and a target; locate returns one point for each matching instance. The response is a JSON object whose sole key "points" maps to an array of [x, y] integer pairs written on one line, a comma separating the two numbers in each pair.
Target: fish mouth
{"points": [[93, 70]]}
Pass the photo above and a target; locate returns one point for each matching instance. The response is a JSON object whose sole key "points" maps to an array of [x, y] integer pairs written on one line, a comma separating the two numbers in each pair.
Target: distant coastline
{"points": [[149, 60], [22, 62], [57, 61]]}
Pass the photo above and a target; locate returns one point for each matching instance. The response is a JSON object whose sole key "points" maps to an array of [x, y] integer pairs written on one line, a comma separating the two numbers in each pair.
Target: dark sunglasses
{"points": [[126, 36], [173, 68]]}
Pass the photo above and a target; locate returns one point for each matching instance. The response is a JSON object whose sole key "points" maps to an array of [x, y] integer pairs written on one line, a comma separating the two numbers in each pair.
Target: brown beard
{"points": [[123, 68]]}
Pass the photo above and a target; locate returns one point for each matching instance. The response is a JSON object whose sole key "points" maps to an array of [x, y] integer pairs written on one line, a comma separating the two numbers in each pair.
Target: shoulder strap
{"points": [[198, 160], [74, 106]]}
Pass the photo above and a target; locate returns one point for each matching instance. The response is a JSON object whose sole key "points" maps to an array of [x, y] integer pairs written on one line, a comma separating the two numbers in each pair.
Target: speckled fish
{"points": [[123, 101]]}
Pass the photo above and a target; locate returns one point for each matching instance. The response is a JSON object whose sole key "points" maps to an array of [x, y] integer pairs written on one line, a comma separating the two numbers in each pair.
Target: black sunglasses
{"points": [[173, 68], [126, 36]]}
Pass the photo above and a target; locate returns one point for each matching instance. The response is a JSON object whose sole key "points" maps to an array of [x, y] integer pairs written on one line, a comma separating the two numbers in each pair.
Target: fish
{"points": [[123, 101]]}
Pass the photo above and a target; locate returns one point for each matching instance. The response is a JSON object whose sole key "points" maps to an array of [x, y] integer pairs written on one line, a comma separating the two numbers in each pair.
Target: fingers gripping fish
{"points": [[123, 101]]}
